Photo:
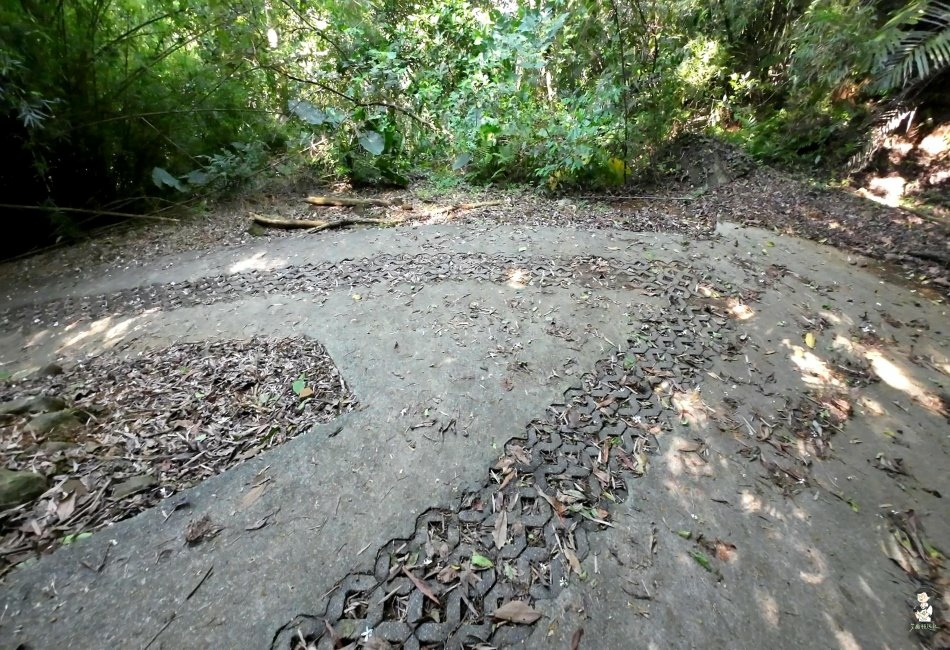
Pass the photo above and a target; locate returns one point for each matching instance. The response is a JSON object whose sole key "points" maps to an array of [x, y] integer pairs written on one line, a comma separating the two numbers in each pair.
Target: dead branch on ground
{"points": [[316, 225]]}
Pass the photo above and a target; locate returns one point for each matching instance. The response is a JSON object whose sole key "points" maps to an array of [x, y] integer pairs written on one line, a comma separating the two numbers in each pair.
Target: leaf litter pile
{"points": [[135, 432]]}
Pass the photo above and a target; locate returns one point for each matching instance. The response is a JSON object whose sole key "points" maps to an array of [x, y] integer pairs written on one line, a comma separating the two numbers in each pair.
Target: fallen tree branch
{"points": [[464, 206], [106, 213], [351, 202], [316, 225], [645, 197]]}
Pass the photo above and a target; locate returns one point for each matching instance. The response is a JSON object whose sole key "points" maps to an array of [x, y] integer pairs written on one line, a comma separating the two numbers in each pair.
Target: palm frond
{"points": [[915, 45]]}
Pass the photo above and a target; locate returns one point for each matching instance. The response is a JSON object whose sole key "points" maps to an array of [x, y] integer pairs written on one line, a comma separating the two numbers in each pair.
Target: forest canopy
{"points": [[128, 106]]}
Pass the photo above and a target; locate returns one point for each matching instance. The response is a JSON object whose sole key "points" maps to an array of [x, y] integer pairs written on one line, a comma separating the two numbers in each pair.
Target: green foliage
{"points": [[914, 45], [115, 102]]}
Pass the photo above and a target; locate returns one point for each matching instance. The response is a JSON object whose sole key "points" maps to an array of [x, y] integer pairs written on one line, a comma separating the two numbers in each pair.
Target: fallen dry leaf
{"points": [[201, 529], [421, 586], [517, 611], [66, 508], [576, 638], [447, 574], [557, 506], [500, 534], [255, 493], [573, 561], [601, 476], [520, 454], [724, 550]]}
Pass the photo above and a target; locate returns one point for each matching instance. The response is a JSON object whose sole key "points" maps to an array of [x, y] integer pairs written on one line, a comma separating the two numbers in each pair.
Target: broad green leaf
{"points": [[198, 177], [462, 160], [306, 111], [373, 142], [162, 178], [299, 384]]}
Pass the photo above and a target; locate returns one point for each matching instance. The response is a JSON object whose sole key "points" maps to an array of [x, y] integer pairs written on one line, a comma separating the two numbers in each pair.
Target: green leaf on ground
{"points": [[481, 561], [702, 560]]}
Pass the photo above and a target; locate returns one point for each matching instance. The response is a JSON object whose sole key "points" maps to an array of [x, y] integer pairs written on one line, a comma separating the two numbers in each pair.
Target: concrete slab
{"points": [[804, 571]]}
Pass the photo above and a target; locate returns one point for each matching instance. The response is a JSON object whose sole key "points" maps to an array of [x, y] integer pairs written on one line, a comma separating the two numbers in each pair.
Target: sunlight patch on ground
{"points": [[834, 319], [869, 592], [106, 330], [872, 405], [936, 143], [897, 379], [843, 343], [887, 190], [518, 278], [257, 262], [845, 639], [752, 503], [768, 606], [691, 408], [684, 456], [739, 310], [820, 568], [37, 339], [813, 369]]}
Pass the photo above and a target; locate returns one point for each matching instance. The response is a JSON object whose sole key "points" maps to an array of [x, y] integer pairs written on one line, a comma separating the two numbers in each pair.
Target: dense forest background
{"points": [[121, 106]]}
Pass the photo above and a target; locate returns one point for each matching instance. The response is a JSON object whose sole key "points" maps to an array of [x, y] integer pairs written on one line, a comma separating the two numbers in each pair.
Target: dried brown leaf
{"points": [[376, 643], [521, 454], [66, 508], [555, 505], [500, 534], [517, 611], [200, 530], [572, 560], [421, 586], [725, 551], [576, 638], [447, 574], [254, 494]]}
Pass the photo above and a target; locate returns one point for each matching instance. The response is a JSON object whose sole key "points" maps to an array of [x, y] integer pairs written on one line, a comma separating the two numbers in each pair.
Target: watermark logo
{"points": [[923, 613]]}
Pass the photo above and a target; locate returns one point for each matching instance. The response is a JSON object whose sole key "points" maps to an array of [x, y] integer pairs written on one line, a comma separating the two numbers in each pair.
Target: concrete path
{"points": [[728, 529]]}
